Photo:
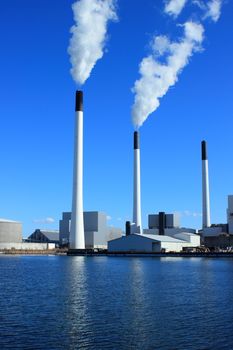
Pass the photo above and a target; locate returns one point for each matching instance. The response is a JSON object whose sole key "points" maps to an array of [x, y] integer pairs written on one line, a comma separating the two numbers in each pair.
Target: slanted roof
{"points": [[186, 233], [52, 235], [162, 238]]}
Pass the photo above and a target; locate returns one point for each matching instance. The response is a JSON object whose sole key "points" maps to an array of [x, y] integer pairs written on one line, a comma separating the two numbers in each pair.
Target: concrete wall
{"points": [[10, 232], [169, 231], [89, 239], [211, 231], [130, 243], [174, 231], [97, 233], [194, 240], [27, 246], [64, 228], [230, 214], [221, 241], [152, 231], [174, 247], [142, 244], [172, 220]]}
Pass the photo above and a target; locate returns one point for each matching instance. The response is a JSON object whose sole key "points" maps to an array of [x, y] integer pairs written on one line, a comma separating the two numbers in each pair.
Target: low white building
{"points": [[152, 243], [26, 246]]}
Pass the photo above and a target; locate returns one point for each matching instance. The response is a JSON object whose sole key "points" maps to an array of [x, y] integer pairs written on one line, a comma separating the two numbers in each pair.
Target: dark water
{"points": [[116, 303]]}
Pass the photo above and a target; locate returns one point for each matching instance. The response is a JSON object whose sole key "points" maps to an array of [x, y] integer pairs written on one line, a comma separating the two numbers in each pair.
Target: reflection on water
{"points": [[115, 303]]}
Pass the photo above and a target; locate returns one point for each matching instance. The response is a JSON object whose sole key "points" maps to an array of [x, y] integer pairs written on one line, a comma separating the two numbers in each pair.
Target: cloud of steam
{"points": [[174, 7], [159, 71], [214, 10], [48, 220], [89, 35]]}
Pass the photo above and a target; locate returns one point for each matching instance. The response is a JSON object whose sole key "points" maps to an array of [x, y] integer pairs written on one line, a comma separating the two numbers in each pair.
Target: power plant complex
{"points": [[80, 230]]}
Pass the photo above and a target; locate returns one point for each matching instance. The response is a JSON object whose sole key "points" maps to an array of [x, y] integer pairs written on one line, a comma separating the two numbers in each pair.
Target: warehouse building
{"points": [[163, 235], [152, 243], [97, 233], [44, 236], [147, 243]]}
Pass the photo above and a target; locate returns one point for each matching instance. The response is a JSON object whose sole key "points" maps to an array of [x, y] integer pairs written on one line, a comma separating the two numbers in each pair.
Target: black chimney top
{"points": [[136, 140], [79, 101], [203, 150]]}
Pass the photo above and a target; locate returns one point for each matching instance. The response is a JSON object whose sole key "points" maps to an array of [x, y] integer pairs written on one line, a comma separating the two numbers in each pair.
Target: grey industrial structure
{"points": [[220, 235], [163, 234], [44, 236], [11, 237], [10, 231], [97, 233]]}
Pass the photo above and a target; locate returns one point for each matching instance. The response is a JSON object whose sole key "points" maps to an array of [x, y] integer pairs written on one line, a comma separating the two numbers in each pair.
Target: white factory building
{"points": [[163, 235], [96, 231]]}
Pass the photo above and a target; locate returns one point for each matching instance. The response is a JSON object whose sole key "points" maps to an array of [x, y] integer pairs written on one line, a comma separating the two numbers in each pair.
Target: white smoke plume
{"points": [[159, 71], [89, 35], [174, 7]]}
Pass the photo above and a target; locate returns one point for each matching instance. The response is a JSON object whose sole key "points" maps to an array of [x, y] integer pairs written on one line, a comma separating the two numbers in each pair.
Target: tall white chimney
{"points": [[137, 217], [77, 239], [205, 187]]}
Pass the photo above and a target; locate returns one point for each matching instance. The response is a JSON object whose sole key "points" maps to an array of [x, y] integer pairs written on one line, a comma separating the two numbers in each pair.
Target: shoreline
{"points": [[89, 253]]}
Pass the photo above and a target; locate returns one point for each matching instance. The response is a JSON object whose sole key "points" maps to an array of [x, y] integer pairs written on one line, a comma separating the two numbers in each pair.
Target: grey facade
{"points": [[97, 233], [221, 241], [43, 236], [10, 231], [147, 243], [163, 221]]}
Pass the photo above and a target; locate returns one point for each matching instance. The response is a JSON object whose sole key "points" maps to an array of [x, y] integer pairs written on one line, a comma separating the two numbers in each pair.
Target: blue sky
{"points": [[37, 117]]}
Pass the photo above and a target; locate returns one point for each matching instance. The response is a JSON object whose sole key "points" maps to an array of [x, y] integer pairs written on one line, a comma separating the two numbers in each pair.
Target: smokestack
{"points": [[137, 220], [77, 239], [205, 187], [162, 223], [127, 228]]}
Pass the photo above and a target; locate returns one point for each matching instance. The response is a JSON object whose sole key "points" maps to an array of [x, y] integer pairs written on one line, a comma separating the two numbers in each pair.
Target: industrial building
{"points": [[10, 231], [44, 236], [11, 238], [96, 231], [163, 234], [214, 235], [220, 235], [148, 244]]}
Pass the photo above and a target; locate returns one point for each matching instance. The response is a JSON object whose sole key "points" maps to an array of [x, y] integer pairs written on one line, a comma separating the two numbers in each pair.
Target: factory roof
{"points": [[162, 238], [10, 221], [186, 233], [51, 235]]}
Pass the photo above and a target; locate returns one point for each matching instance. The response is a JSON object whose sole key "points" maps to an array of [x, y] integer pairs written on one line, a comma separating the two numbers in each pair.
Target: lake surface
{"points": [[59, 302]]}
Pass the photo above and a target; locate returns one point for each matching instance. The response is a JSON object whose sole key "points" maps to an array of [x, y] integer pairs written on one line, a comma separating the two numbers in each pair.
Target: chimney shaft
{"points": [[137, 221], [77, 239], [127, 228], [205, 187]]}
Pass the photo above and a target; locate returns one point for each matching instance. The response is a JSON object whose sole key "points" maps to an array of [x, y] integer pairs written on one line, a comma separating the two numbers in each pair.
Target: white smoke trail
{"points": [[174, 7], [159, 71], [89, 35]]}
